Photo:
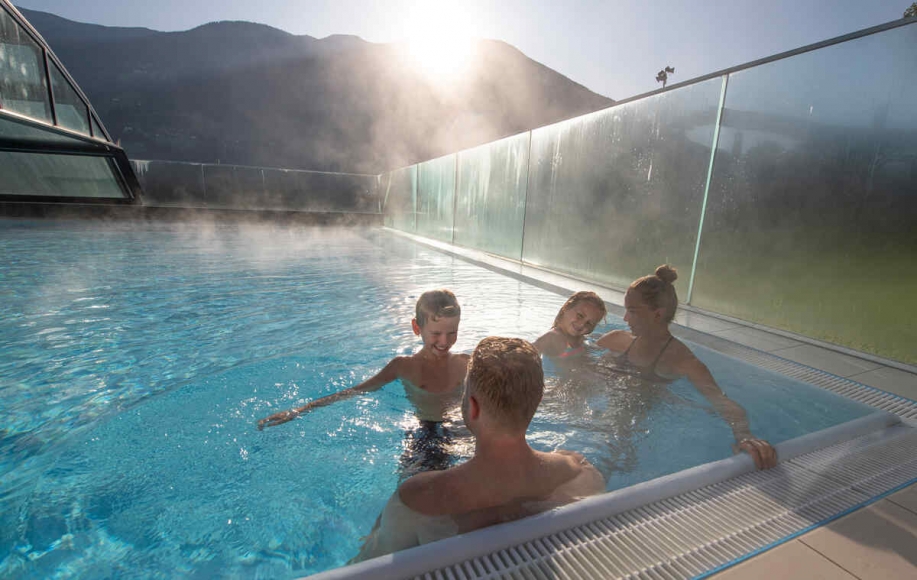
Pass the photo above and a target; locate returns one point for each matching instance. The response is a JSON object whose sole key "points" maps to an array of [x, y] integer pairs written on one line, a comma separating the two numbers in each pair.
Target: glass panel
{"points": [[288, 189], [318, 191], [23, 88], [18, 130], [219, 186], [435, 197], [58, 175], [167, 183], [97, 131], [72, 112], [249, 184], [490, 208], [399, 196], [182, 184], [616, 193], [813, 205]]}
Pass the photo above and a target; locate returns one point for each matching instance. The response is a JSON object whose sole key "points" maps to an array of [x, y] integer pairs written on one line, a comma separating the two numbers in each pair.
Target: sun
{"points": [[438, 40]]}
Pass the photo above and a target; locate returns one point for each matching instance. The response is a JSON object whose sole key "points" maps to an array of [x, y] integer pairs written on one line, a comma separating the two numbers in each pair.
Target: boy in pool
{"points": [[432, 379], [505, 479]]}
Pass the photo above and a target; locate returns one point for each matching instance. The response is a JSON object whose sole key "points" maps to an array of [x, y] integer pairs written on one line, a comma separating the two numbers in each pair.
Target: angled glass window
{"points": [[97, 131], [23, 88], [72, 112], [26, 135], [52, 175]]}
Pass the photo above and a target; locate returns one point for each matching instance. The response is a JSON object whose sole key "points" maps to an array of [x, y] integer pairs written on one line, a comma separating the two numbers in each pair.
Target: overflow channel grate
{"points": [[701, 531], [694, 533]]}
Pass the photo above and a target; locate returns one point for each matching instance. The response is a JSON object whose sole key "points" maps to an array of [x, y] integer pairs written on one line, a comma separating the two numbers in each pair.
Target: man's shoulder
{"points": [[569, 456], [584, 479], [425, 492]]}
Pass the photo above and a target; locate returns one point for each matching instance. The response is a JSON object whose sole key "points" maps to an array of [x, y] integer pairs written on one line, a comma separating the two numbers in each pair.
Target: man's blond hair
{"points": [[506, 377], [436, 304]]}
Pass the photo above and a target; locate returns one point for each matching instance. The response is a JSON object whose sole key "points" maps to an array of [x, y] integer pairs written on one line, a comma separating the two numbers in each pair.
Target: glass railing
{"points": [[785, 192], [215, 186]]}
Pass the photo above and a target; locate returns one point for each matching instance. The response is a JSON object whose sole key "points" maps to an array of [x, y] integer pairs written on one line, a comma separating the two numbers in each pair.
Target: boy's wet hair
{"points": [[581, 296], [436, 304], [657, 290], [506, 375]]}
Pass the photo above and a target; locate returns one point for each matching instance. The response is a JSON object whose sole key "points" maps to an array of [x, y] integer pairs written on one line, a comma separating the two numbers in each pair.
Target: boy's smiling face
{"points": [[439, 334]]}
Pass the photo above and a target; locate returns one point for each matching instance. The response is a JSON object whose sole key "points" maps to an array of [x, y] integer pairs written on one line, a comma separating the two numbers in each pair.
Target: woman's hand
{"points": [[760, 450]]}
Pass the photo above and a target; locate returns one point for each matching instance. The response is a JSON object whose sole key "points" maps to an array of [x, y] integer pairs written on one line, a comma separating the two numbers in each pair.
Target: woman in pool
{"points": [[650, 352], [576, 319]]}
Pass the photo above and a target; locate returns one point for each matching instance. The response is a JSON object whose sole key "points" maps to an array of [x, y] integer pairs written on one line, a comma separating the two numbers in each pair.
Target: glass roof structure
{"points": [[53, 146]]}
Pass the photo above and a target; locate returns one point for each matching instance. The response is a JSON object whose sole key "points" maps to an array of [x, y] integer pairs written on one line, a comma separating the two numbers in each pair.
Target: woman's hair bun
{"points": [[666, 273]]}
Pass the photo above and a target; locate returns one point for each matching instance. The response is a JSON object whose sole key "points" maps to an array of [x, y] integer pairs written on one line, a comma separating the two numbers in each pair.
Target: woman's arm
{"points": [[615, 341], [389, 373], [735, 416]]}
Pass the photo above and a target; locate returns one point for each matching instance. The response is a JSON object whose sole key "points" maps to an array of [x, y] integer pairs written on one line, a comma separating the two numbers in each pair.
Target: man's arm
{"points": [[392, 531], [389, 373], [588, 482]]}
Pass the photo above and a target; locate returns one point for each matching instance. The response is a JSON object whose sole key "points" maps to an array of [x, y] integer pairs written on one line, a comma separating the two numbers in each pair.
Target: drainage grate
{"points": [[694, 533], [884, 401], [698, 532]]}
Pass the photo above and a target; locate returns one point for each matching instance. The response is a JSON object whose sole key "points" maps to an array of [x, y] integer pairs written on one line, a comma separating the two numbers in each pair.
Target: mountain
{"points": [[250, 94]]}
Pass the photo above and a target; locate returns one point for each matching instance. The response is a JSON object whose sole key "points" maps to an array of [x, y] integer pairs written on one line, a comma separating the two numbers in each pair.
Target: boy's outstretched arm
{"points": [[389, 373]]}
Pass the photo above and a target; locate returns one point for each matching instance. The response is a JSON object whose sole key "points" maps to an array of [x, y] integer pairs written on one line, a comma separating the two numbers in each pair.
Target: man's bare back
{"points": [[505, 479]]}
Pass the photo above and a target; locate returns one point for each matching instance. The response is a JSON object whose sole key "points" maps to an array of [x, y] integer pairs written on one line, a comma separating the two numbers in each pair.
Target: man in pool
{"points": [[432, 379], [505, 479]]}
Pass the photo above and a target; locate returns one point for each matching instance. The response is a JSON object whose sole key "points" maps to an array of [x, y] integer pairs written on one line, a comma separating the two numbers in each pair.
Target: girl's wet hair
{"points": [[581, 296], [657, 290], [436, 304]]}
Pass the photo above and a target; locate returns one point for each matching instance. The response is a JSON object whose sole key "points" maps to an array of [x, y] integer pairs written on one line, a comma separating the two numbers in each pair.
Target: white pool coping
{"points": [[422, 560], [418, 560]]}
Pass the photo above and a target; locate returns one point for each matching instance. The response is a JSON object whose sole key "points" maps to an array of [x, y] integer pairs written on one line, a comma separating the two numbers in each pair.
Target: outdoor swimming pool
{"points": [[139, 356]]}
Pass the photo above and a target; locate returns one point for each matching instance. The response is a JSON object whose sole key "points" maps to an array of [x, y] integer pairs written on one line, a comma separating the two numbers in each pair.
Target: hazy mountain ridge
{"points": [[251, 94]]}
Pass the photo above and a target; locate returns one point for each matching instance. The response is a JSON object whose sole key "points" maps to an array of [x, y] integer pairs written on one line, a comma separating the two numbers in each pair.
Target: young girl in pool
{"points": [[577, 318], [650, 352]]}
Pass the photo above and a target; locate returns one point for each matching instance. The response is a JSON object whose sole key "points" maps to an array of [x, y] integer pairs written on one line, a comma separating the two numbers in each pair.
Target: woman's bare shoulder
{"points": [[616, 340]]}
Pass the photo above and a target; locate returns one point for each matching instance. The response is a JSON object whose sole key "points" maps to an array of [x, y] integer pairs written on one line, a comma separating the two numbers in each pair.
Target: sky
{"points": [[613, 47]]}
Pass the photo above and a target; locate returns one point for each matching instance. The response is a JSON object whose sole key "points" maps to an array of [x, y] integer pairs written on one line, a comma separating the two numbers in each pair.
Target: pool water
{"points": [[138, 358]]}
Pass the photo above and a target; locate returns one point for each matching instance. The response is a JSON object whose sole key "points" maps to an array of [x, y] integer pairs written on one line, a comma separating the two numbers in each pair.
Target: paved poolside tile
{"points": [[702, 322], [759, 339], [833, 362], [891, 380], [906, 498], [790, 560], [879, 541]]}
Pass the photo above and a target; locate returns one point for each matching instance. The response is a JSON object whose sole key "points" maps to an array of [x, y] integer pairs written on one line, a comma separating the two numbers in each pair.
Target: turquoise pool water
{"points": [[138, 358]]}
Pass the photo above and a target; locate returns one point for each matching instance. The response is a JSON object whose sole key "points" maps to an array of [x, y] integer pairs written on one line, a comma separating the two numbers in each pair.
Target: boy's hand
{"points": [[277, 419]]}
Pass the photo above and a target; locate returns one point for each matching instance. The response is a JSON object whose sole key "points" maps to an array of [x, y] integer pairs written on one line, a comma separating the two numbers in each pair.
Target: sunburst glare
{"points": [[438, 40]]}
